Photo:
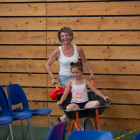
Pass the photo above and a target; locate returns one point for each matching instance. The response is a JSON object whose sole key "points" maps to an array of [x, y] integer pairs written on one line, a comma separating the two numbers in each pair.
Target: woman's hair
{"points": [[66, 30], [78, 65]]}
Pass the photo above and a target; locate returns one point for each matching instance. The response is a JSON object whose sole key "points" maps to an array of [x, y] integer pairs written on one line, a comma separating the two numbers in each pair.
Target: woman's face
{"points": [[65, 38]]}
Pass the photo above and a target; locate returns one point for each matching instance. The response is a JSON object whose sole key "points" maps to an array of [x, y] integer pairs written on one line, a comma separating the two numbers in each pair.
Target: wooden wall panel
{"points": [[35, 80], [123, 96], [105, 123], [119, 124], [34, 66], [75, 23], [117, 96], [38, 121], [111, 81], [23, 9], [46, 0], [94, 23], [108, 67], [98, 67], [36, 94], [23, 52], [22, 0], [107, 52], [22, 38], [112, 111], [40, 80], [96, 37], [35, 105], [23, 24], [108, 31], [76, 0], [89, 8]]}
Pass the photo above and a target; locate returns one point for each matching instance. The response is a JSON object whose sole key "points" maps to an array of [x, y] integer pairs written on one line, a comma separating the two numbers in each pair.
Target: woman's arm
{"points": [[65, 94], [50, 61], [84, 60], [96, 90]]}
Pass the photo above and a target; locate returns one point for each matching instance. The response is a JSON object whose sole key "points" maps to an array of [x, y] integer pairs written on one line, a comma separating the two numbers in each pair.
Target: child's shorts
{"points": [[81, 105]]}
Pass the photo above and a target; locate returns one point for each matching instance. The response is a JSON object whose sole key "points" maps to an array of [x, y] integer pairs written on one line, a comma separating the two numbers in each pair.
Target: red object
{"points": [[54, 93]]}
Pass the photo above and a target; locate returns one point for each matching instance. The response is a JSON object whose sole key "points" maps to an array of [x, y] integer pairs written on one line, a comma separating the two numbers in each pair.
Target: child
{"points": [[79, 91]]}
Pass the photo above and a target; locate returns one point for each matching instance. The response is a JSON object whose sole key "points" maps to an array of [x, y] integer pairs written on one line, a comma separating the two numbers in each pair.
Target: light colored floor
{"points": [[40, 133]]}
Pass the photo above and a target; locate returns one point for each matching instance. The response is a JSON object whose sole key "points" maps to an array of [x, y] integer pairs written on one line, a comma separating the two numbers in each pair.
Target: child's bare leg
{"points": [[89, 104], [81, 123], [69, 107], [72, 107], [63, 118], [92, 104]]}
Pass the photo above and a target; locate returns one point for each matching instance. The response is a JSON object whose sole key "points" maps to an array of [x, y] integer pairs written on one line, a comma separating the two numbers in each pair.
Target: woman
{"points": [[66, 54]]}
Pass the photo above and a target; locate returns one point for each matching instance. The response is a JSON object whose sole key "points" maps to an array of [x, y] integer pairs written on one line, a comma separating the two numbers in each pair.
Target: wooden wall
{"points": [[109, 33]]}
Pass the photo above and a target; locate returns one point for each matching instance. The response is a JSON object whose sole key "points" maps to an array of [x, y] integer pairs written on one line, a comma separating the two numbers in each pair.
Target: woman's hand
{"points": [[53, 81], [92, 76], [105, 98]]}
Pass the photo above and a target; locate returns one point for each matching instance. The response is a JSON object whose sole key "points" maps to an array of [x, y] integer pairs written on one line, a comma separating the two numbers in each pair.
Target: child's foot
{"points": [[58, 120]]}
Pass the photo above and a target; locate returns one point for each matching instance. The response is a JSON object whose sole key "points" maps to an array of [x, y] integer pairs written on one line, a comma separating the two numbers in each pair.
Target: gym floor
{"points": [[40, 133]]}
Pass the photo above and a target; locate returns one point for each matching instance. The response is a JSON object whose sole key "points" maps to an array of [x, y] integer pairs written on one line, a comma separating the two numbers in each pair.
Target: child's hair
{"points": [[78, 65], [66, 30]]}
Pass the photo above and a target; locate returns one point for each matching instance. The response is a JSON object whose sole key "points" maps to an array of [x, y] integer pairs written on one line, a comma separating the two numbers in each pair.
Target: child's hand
{"points": [[59, 103], [105, 98]]}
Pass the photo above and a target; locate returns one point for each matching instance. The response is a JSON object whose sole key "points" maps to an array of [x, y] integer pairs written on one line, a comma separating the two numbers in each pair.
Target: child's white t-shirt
{"points": [[79, 93]]}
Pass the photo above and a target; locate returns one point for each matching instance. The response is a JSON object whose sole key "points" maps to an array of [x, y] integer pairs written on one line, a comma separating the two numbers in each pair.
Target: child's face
{"points": [[76, 73]]}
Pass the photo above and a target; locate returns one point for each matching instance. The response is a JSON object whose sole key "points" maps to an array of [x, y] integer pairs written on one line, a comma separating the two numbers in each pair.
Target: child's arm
{"points": [[65, 94], [96, 90]]}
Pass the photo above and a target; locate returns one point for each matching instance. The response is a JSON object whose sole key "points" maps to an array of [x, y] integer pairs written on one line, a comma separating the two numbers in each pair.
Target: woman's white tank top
{"points": [[64, 62]]}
